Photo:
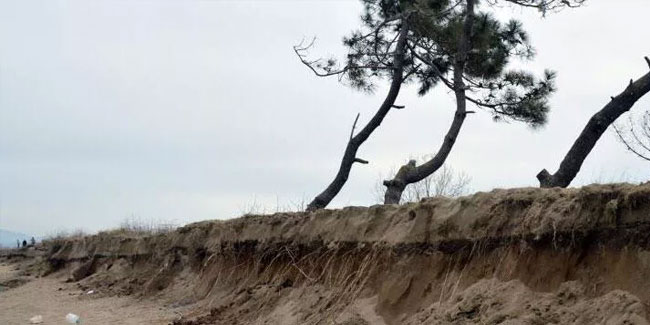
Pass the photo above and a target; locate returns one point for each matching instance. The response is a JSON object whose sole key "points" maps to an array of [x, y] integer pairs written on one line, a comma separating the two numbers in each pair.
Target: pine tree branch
{"points": [[354, 125]]}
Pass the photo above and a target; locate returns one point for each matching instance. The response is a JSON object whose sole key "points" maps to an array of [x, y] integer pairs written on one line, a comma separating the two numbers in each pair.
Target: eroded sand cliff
{"points": [[519, 256]]}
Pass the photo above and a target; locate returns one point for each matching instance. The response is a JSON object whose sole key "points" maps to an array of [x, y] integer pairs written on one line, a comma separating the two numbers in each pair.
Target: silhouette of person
{"points": [[24, 243], [33, 241]]}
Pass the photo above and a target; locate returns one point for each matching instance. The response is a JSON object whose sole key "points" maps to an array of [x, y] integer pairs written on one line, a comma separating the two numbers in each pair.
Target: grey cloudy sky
{"points": [[189, 110]]}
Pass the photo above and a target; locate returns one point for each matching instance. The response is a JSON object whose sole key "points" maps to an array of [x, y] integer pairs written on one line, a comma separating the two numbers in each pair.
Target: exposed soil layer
{"points": [[520, 256]]}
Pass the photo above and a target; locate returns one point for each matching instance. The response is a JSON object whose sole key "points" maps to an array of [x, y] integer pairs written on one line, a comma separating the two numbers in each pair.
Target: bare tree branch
{"points": [[635, 145], [354, 125], [545, 5], [313, 65]]}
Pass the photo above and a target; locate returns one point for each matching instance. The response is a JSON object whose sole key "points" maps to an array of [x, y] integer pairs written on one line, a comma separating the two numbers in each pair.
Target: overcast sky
{"points": [[189, 110]]}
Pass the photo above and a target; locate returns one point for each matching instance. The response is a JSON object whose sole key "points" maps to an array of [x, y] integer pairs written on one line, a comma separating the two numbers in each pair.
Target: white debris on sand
{"points": [[38, 319], [72, 318]]}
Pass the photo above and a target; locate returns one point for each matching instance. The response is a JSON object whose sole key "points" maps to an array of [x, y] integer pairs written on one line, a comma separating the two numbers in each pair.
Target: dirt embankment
{"points": [[521, 256]]}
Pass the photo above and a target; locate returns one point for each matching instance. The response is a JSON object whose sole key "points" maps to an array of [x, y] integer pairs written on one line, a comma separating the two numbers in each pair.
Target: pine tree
{"points": [[430, 43]]}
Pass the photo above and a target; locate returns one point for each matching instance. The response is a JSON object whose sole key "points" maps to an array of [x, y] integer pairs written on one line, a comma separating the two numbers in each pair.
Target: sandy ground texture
{"points": [[520, 256], [7, 272], [53, 299]]}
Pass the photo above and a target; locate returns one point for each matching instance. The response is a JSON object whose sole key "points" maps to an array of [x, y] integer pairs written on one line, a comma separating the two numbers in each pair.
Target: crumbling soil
{"points": [[520, 256]]}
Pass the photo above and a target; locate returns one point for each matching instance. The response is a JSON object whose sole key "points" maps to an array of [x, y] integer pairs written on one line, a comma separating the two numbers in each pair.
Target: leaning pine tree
{"points": [[430, 42], [469, 54], [377, 51], [595, 128]]}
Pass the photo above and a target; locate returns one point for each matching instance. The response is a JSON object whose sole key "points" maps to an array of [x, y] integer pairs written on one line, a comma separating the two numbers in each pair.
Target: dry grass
{"points": [[257, 207], [131, 227], [134, 226], [63, 235]]}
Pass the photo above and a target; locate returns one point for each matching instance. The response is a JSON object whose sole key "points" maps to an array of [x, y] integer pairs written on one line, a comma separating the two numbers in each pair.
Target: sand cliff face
{"points": [[521, 256]]}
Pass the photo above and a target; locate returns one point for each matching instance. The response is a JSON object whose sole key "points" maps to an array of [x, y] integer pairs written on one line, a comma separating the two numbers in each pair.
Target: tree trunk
{"points": [[349, 156], [410, 173], [396, 186], [594, 129]]}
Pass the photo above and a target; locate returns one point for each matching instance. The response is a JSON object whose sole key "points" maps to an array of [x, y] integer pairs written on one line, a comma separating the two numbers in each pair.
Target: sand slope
{"points": [[519, 256]]}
